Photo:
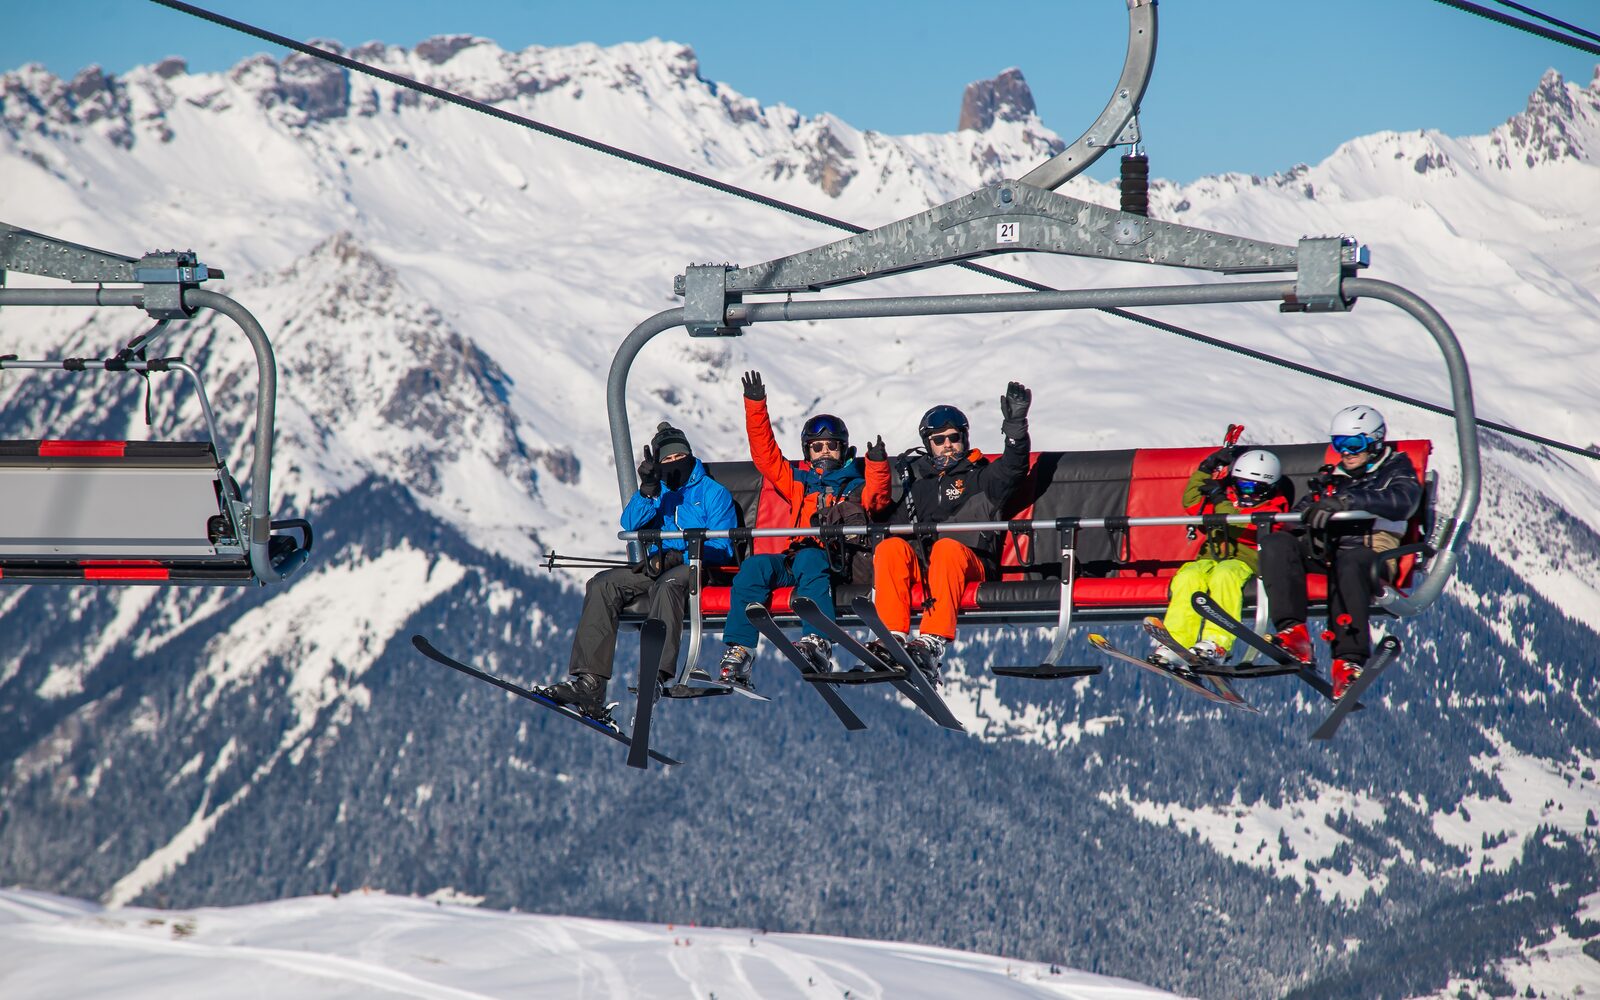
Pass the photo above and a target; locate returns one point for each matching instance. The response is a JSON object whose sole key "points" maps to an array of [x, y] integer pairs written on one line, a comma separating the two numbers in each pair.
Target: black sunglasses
{"points": [[953, 436]]}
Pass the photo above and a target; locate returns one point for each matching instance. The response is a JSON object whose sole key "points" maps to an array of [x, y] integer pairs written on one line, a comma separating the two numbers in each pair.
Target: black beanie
{"points": [[670, 441]]}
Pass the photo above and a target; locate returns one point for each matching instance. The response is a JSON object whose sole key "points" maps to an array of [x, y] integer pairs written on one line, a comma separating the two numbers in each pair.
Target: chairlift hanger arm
{"points": [[1111, 127]]}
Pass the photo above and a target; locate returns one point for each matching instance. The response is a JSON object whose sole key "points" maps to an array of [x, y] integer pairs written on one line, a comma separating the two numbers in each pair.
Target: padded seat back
{"points": [[108, 500]]}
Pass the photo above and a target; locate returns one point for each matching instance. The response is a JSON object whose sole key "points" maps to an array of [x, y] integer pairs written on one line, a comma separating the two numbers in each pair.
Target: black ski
{"points": [[1207, 609], [1106, 646], [915, 680], [1156, 629], [761, 618], [1388, 652], [652, 637], [876, 672], [427, 649]]}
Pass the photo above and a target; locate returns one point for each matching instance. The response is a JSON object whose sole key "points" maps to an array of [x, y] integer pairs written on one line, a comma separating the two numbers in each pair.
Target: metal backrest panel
{"points": [[107, 511]]}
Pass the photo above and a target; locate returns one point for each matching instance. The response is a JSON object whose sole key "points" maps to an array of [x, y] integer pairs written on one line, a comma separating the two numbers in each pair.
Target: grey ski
{"points": [[1388, 652], [761, 618], [876, 670], [1208, 610], [915, 679], [652, 637], [427, 649]]}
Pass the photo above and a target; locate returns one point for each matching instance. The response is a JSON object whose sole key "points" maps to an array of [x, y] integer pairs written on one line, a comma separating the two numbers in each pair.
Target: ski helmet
{"points": [[939, 418], [1356, 429], [824, 427], [1254, 474]]}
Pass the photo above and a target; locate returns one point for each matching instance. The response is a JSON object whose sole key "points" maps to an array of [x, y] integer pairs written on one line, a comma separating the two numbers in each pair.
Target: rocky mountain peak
{"points": [[1004, 98], [1562, 121]]}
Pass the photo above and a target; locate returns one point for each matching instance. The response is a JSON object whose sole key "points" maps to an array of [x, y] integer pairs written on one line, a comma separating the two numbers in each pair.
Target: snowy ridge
{"points": [[369, 943]]}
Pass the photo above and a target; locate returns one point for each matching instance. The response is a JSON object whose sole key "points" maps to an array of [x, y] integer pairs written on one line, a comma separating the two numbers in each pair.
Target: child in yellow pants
{"points": [[1223, 483]]}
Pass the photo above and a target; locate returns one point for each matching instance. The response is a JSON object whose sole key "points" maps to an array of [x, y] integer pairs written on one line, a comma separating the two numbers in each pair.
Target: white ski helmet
{"points": [[1356, 429], [1254, 475], [1258, 466]]}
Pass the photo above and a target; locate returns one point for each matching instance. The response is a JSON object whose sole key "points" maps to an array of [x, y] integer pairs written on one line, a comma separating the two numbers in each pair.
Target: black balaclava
{"points": [[671, 441]]}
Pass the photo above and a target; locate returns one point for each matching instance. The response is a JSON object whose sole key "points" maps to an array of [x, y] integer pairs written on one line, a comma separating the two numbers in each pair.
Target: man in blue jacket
{"points": [[674, 494]]}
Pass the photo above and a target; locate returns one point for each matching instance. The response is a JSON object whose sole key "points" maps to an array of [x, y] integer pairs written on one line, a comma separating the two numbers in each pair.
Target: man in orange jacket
{"points": [[950, 481], [828, 476]]}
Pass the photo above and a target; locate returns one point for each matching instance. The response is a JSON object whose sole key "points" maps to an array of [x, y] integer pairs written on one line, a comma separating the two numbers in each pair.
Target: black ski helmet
{"points": [[824, 427], [940, 417]]}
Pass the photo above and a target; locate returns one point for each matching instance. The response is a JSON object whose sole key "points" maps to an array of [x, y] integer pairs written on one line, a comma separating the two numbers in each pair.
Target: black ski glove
{"points": [[1222, 458], [1319, 516], [660, 561], [1214, 490], [1014, 411], [876, 452], [649, 474], [753, 387]]}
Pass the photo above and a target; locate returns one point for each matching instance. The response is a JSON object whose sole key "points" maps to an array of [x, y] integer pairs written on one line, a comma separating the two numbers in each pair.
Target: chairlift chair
{"points": [[1010, 216], [138, 512]]}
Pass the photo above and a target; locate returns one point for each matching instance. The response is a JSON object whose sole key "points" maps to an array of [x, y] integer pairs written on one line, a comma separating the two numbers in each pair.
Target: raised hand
{"points": [[649, 474], [1014, 404], [1222, 459], [876, 452], [753, 387]]}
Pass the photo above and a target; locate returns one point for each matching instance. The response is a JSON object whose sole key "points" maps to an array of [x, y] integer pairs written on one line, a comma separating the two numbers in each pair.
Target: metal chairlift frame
{"points": [[1011, 216], [169, 290]]}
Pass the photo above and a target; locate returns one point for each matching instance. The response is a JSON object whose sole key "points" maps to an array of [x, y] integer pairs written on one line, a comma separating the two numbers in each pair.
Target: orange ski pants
{"points": [[951, 566]]}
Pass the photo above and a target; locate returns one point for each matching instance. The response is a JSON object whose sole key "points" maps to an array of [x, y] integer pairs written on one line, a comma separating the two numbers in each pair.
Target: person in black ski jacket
{"points": [[1370, 476], [947, 481]]}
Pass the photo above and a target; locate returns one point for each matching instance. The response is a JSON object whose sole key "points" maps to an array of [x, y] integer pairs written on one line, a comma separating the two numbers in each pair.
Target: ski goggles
{"points": [[1251, 488], [943, 416], [1355, 444], [824, 425]]}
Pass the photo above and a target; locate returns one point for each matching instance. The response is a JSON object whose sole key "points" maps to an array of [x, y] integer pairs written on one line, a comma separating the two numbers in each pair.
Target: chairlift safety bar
{"points": [[973, 527]]}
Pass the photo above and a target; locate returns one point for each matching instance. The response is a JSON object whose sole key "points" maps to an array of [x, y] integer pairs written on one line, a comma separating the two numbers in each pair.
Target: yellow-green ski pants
{"points": [[1224, 581]]}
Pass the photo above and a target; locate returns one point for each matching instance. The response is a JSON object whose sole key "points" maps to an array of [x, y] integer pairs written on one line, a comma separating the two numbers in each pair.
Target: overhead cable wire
{"points": [[1518, 23], [768, 201], [1546, 18]]}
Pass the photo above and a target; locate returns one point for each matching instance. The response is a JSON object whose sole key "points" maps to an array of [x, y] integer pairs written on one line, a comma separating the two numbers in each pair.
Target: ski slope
{"points": [[377, 945]]}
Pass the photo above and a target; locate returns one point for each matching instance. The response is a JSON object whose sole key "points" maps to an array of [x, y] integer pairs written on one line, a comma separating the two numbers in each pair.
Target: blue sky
{"points": [[1250, 85]]}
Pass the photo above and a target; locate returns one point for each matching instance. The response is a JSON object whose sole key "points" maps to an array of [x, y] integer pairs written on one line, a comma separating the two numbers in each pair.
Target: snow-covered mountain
{"points": [[445, 293]]}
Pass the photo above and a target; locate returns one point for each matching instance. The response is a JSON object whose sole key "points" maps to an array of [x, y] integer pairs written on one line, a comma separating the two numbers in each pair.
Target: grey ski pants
{"points": [[595, 643]]}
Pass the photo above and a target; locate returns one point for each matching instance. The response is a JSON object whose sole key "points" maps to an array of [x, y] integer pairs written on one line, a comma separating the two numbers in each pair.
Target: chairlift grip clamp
{"points": [[704, 288], [1322, 264]]}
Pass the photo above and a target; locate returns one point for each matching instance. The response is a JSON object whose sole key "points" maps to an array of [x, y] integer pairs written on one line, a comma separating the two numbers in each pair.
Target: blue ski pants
{"points": [[806, 571]]}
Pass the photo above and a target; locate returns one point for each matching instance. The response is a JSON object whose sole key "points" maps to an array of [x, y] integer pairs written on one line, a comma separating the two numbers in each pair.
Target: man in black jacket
{"points": [[1371, 476], [949, 481]]}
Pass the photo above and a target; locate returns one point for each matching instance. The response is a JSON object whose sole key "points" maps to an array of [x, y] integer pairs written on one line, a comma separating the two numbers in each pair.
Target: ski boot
{"points": [[886, 660], [1344, 674], [926, 651], [817, 651], [1167, 658], [1208, 650], [735, 668], [1296, 641], [584, 692]]}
